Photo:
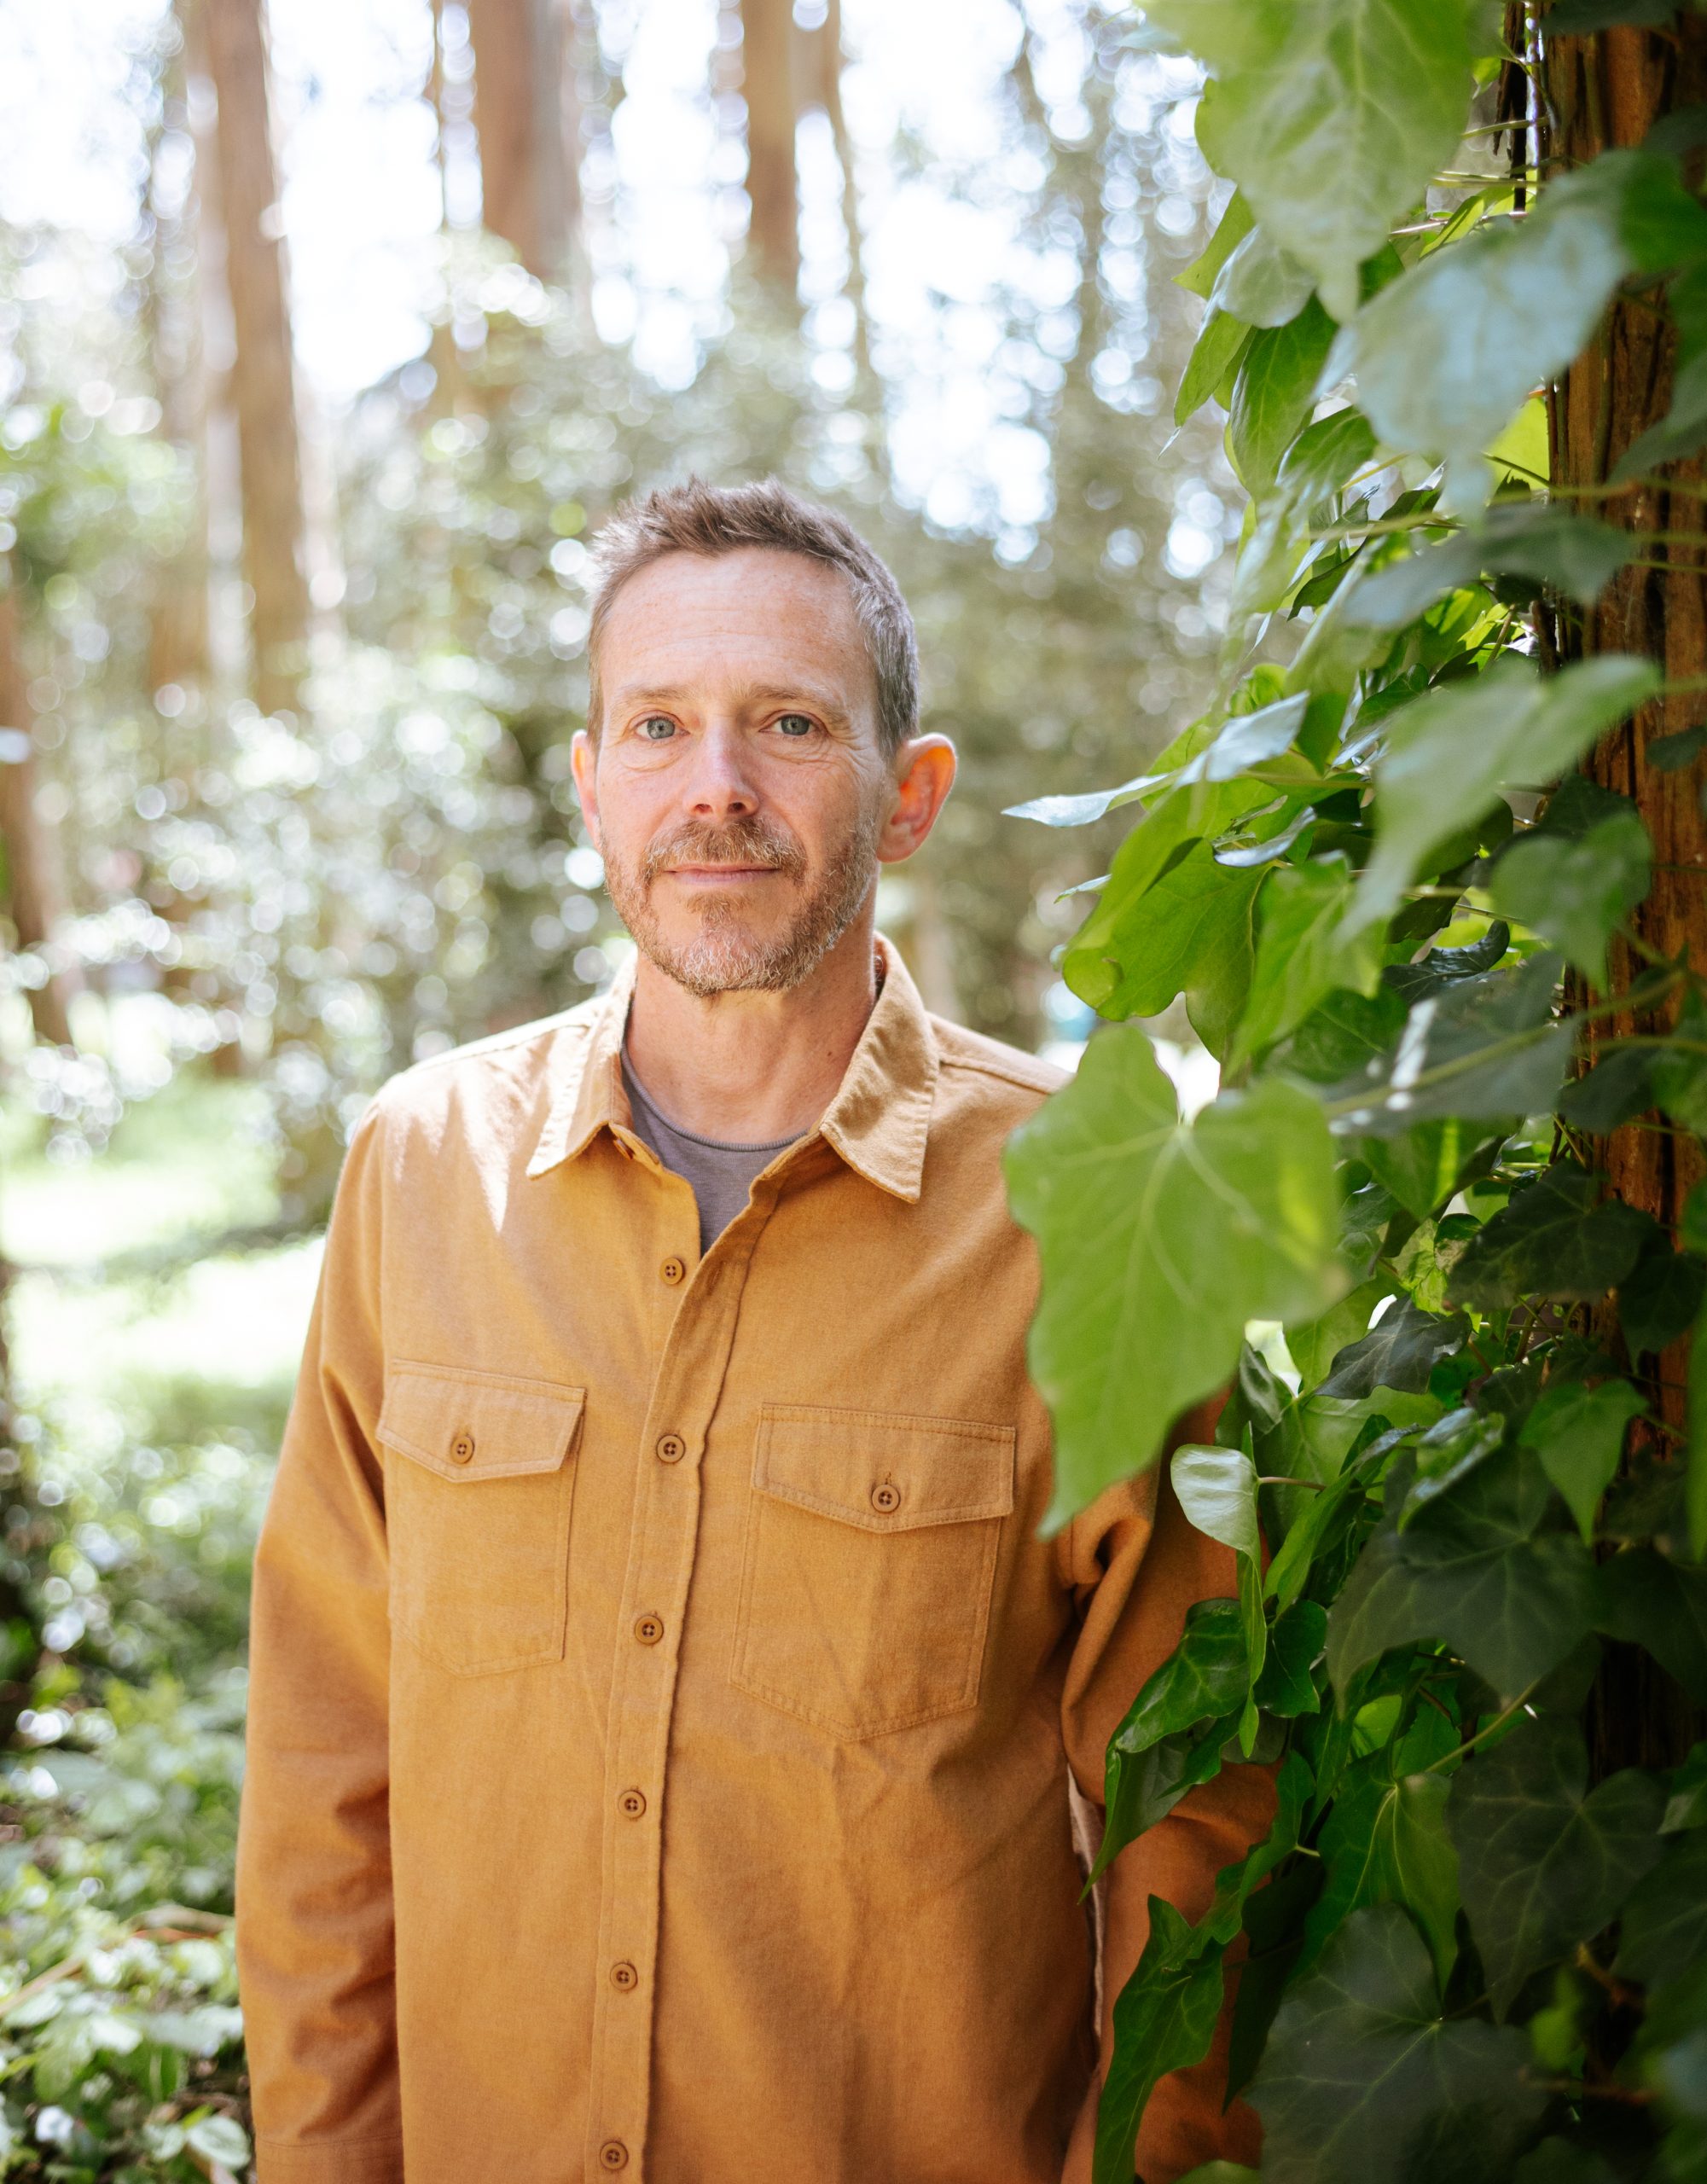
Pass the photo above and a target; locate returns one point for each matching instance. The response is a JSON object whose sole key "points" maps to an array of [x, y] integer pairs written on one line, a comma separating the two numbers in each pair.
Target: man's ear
{"points": [[925, 770], [583, 765]]}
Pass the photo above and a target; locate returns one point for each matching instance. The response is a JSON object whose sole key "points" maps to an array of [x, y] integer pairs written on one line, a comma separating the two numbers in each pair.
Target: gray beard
{"points": [[723, 956]]}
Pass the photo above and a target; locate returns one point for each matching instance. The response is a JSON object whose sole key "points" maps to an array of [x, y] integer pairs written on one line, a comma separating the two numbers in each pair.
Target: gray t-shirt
{"points": [[721, 1175]]}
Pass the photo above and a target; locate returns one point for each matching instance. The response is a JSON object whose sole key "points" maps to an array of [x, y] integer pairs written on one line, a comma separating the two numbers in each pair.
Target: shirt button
{"points": [[462, 1448], [648, 1629], [613, 2155], [625, 1977], [672, 1270], [886, 1498], [632, 1803], [671, 1449]]}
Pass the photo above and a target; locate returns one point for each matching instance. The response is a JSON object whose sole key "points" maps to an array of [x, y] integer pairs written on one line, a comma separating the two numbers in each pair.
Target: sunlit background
{"points": [[292, 625]]}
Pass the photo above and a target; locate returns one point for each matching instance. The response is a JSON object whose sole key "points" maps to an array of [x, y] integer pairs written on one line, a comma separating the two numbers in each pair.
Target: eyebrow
{"points": [[749, 694]]}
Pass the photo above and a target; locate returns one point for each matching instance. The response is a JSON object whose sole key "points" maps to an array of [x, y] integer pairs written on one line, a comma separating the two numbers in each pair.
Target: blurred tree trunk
{"points": [[530, 176], [35, 881], [826, 80], [767, 86], [1602, 91], [177, 620], [263, 376]]}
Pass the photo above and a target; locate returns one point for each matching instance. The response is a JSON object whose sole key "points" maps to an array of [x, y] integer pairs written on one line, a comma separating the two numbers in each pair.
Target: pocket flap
{"points": [[467, 1426], [882, 1470]]}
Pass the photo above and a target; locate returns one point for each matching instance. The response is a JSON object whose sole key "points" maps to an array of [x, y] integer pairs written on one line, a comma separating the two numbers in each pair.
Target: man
{"points": [[664, 1708]]}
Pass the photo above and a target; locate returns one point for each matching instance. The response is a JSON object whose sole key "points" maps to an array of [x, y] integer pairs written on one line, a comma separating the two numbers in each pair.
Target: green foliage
{"points": [[1244, 1195], [1470, 1955]]}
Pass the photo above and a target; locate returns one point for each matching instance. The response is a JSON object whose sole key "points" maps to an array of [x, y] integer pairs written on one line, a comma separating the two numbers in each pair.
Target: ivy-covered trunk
{"points": [[1598, 93]]}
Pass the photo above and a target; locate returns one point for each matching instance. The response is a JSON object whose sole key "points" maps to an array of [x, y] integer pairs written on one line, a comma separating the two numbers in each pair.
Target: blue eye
{"points": [[657, 728], [796, 724]]}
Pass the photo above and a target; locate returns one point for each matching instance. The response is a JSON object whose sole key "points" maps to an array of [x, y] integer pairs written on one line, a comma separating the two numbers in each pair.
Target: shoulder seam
{"points": [[994, 1069]]}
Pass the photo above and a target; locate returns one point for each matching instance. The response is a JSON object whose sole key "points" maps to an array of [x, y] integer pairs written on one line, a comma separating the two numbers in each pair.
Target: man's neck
{"points": [[751, 1068]]}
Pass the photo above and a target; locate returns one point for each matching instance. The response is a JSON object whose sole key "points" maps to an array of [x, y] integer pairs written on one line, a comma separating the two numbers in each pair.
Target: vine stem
{"points": [[1470, 1744]]}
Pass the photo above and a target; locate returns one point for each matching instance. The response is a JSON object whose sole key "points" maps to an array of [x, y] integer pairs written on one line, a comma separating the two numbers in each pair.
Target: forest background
{"points": [[324, 345]]}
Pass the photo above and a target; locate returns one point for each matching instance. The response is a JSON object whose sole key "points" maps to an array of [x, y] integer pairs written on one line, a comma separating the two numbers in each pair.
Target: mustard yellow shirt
{"points": [[665, 1716]]}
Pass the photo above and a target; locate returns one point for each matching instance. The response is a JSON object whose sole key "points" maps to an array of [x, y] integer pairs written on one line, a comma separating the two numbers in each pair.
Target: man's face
{"points": [[737, 790]]}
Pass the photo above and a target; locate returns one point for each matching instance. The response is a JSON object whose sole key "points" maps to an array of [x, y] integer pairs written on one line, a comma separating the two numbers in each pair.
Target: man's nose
{"points": [[721, 784]]}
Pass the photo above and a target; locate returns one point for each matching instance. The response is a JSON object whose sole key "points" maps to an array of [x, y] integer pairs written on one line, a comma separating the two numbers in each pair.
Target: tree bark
{"points": [[1604, 91], [262, 375], [35, 888], [530, 177], [768, 87]]}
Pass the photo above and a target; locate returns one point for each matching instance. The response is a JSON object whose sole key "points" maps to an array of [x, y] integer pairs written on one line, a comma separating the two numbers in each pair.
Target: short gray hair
{"points": [[696, 518]]}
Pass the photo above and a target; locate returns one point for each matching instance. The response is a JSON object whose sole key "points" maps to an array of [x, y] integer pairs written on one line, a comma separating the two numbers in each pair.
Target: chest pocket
{"points": [[477, 1512], [870, 1557]]}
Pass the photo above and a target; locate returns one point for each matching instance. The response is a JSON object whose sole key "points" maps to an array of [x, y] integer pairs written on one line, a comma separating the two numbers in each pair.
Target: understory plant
{"points": [[1429, 877]]}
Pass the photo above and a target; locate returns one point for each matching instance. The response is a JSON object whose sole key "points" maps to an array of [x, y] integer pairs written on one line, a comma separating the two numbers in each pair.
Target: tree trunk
{"points": [[263, 377], [177, 619], [1603, 91], [35, 886], [767, 86], [530, 178]]}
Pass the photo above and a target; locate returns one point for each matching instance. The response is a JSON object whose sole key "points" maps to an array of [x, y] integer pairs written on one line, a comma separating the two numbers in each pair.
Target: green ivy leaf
{"points": [[1364, 2075], [1216, 1490], [1664, 1928], [1612, 1092], [1274, 393], [1495, 315], [1449, 966], [1313, 1344], [1545, 1863], [1231, 230], [1386, 1842], [1262, 283], [1303, 953], [1579, 1433], [1399, 1351], [1449, 754], [1679, 1076], [1578, 556], [1330, 115], [1159, 1241], [1484, 1049], [1686, 1794], [1165, 2020], [1286, 1687], [1551, 1239], [1577, 893], [1468, 1570], [1218, 350], [1661, 1298], [1648, 1599]]}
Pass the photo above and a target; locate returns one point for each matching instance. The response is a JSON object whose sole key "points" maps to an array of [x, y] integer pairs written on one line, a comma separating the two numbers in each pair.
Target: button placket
{"points": [[661, 1558]]}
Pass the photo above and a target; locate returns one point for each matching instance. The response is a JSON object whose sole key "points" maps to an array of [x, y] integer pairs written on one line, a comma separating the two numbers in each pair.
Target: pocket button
{"points": [[462, 1448], [886, 1498]]}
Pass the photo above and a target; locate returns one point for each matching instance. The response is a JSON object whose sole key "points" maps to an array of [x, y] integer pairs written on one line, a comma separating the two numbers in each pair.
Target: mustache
{"points": [[737, 841]]}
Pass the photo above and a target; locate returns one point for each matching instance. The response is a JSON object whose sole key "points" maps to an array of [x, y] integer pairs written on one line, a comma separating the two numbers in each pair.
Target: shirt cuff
{"points": [[329, 2160]]}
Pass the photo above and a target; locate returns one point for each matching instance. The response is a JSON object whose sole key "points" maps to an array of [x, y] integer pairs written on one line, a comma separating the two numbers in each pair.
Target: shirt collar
{"points": [[878, 1122]]}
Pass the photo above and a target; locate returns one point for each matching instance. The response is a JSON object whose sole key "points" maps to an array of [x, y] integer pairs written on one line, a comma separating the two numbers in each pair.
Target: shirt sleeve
{"points": [[1135, 1566], [314, 1886]]}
